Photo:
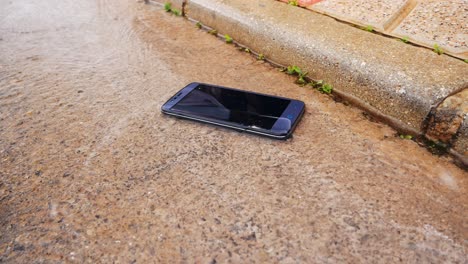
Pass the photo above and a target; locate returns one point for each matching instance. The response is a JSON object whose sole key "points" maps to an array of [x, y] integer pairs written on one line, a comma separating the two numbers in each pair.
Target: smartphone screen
{"points": [[248, 109], [267, 114]]}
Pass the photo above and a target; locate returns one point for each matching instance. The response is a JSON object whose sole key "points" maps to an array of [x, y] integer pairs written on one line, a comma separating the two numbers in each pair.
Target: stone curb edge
{"points": [[407, 87]]}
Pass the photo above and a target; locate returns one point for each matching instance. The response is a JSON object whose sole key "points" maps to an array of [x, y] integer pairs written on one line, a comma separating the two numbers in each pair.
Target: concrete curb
{"points": [[400, 83]]}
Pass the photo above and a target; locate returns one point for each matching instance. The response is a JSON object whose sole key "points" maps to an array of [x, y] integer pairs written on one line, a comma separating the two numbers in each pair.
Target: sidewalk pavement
{"points": [[424, 22], [410, 87]]}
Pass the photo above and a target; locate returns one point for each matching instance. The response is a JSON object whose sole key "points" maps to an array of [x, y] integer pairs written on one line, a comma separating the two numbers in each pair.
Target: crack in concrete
{"points": [[393, 23]]}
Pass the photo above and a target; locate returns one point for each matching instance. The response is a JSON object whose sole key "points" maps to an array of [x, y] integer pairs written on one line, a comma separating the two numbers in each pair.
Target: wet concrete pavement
{"points": [[92, 171]]}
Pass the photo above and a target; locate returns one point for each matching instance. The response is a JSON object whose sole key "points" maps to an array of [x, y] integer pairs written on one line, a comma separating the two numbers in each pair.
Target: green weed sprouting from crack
{"points": [[317, 84], [228, 39], [261, 57], [291, 70], [300, 79], [405, 39], [326, 88], [321, 86], [168, 6], [199, 25], [406, 136], [368, 28], [244, 49], [438, 49], [176, 12], [293, 2], [213, 32], [303, 80], [295, 70], [465, 60]]}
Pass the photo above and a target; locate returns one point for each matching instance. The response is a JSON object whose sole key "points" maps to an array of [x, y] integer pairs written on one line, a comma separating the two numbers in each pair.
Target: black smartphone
{"points": [[261, 114]]}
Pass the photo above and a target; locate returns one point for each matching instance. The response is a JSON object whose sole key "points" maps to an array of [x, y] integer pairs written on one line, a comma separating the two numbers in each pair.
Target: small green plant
{"points": [[261, 56], [213, 32], [295, 70], [438, 49], [176, 12], [465, 60], [293, 2], [168, 6], [321, 86], [199, 25], [247, 50], [406, 136], [326, 88], [300, 78], [369, 28], [404, 40], [291, 70], [228, 39], [317, 84]]}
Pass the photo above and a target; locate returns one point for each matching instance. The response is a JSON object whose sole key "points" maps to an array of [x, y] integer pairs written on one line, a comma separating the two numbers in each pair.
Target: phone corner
{"points": [[193, 84], [164, 108], [285, 136], [300, 103]]}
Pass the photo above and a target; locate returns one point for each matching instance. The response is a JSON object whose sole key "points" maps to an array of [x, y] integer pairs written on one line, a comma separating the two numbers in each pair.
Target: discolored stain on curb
{"points": [[460, 144], [448, 123], [447, 118]]}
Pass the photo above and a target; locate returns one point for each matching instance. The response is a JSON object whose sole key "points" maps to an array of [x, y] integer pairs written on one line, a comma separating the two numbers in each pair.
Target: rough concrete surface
{"points": [[376, 13], [438, 22], [401, 81], [91, 171]]}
